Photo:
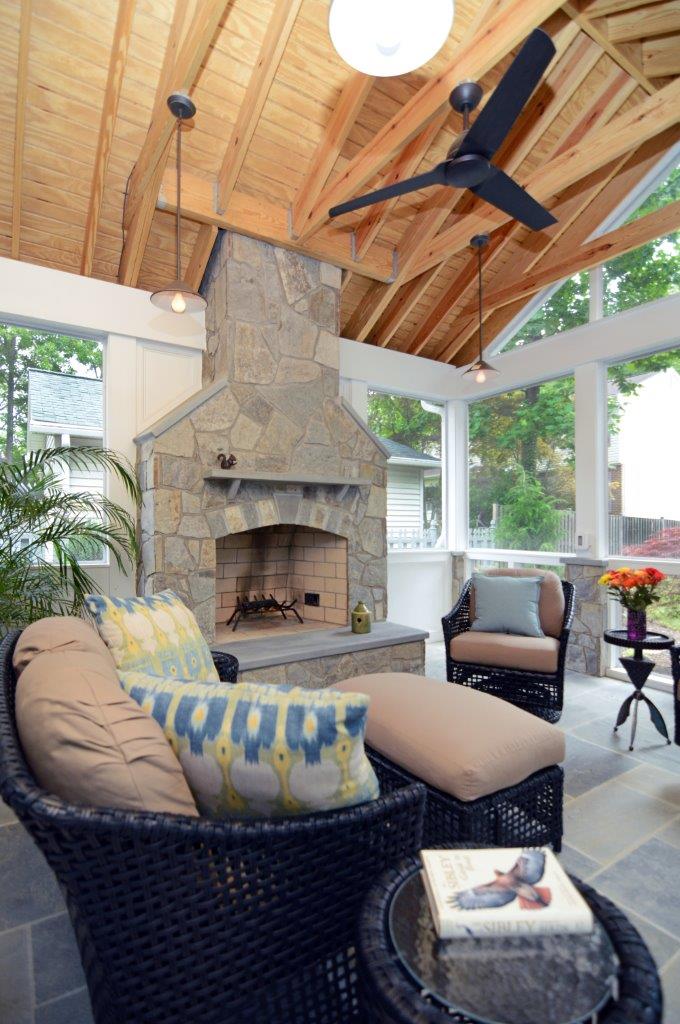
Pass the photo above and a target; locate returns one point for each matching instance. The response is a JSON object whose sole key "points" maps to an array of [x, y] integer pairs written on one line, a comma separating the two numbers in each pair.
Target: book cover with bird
{"points": [[501, 892]]}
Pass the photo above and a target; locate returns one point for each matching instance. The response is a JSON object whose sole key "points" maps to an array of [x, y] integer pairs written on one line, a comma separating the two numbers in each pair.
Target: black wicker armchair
{"points": [[193, 921], [540, 693]]}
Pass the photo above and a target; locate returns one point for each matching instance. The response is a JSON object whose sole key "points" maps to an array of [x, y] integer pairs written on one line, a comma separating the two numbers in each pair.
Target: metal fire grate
{"points": [[246, 606]]}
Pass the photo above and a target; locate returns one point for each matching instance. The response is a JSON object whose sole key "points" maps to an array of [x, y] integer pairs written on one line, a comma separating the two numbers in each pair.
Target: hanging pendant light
{"points": [[389, 37], [480, 369], [178, 296]]}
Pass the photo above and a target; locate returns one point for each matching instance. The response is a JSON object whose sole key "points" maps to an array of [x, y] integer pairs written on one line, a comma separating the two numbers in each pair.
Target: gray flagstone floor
{"points": [[622, 813]]}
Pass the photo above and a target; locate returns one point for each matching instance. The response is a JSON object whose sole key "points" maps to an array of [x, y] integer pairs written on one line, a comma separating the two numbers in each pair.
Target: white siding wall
{"points": [[404, 498]]}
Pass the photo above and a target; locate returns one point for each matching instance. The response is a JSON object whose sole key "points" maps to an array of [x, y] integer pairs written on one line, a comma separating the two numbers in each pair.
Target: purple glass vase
{"points": [[636, 626]]}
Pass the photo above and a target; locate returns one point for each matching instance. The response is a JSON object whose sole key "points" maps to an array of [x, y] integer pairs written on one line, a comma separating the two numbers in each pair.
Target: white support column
{"points": [[356, 393], [596, 286], [120, 426], [455, 458], [590, 385]]}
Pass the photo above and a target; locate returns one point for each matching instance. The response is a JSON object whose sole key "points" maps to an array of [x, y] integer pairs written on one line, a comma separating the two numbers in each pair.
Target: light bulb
{"points": [[178, 304], [480, 377]]}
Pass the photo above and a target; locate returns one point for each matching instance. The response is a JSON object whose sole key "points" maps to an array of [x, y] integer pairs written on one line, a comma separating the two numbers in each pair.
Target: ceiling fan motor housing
{"points": [[465, 97], [467, 170]]}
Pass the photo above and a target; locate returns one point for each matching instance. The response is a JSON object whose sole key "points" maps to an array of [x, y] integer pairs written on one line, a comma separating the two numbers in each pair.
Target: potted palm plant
{"points": [[47, 533]]}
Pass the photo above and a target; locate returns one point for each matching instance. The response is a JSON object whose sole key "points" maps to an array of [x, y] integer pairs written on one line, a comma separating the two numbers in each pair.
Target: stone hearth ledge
{"points": [[325, 656]]}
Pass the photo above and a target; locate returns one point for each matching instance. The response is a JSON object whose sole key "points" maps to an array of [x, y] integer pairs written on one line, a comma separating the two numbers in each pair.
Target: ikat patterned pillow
{"points": [[156, 635], [255, 750]]}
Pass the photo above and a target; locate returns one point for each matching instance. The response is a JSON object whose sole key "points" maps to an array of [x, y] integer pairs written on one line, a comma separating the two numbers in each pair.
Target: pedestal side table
{"points": [[638, 669]]}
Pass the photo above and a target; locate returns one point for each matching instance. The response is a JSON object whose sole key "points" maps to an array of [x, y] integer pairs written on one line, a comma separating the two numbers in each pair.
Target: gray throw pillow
{"points": [[507, 604]]}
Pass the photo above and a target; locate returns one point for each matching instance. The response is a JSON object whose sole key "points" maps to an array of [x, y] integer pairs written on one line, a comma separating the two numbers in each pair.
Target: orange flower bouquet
{"points": [[635, 590]]}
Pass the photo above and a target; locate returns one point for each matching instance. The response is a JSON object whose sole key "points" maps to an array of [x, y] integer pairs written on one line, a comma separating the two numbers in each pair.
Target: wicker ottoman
{"points": [[491, 769]]}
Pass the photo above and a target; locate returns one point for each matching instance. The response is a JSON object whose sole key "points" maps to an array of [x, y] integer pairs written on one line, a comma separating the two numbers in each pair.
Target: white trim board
{"points": [[649, 328], [86, 307]]}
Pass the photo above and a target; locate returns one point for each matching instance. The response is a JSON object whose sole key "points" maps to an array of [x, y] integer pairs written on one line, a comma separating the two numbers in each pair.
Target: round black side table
{"points": [[638, 668], [398, 947]]}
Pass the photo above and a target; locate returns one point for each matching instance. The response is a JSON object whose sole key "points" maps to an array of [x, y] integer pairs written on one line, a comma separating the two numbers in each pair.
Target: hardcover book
{"points": [[503, 891]]}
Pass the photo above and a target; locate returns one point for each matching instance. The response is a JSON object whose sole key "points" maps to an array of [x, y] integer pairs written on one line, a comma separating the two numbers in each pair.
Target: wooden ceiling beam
{"points": [[474, 57], [661, 57], [610, 186], [579, 211], [345, 112], [269, 222], [624, 133], [402, 304], [114, 81], [627, 55], [599, 8], [275, 40], [642, 22], [434, 316], [606, 247], [405, 165], [203, 246], [20, 126], [615, 91], [544, 107], [179, 74]]}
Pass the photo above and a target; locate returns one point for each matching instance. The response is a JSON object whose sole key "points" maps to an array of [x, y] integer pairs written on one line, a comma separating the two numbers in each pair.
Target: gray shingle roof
{"points": [[403, 451], [65, 399]]}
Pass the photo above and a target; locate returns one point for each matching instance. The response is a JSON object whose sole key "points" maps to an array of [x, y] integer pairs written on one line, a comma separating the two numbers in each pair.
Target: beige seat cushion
{"points": [[505, 650], [460, 740], [85, 739], [550, 602]]}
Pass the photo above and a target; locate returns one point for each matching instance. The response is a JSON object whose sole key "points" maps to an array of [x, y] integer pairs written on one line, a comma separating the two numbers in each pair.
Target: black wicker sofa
{"points": [[225, 922]]}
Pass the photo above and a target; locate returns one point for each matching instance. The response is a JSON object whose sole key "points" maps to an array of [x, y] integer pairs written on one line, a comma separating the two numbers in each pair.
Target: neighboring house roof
{"points": [[404, 453], [64, 399]]}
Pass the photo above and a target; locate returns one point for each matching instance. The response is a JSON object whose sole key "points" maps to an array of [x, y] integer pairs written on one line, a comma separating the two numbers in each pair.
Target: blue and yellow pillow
{"points": [[157, 635], [257, 750]]}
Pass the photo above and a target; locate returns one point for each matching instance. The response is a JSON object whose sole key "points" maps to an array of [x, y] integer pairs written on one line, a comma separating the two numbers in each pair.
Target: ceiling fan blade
{"points": [[510, 95], [501, 191], [437, 176]]}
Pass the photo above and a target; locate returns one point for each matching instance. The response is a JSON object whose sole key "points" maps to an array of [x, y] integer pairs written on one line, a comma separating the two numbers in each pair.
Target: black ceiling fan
{"points": [[468, 163]]}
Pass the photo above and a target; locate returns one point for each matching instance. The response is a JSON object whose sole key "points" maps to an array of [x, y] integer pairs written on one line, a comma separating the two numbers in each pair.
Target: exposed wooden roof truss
{"points": [[285, 129]]}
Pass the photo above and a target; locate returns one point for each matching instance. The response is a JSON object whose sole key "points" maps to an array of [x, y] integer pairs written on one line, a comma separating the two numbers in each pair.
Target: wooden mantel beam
{"points": [[477, 54], [269, 222]]}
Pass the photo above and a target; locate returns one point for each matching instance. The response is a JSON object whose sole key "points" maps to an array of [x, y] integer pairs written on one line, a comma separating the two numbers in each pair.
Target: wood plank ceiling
{"points": [[284, 129]]}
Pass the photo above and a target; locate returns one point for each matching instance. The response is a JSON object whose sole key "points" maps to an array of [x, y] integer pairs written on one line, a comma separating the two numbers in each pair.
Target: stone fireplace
{"points": [[309, 477]]}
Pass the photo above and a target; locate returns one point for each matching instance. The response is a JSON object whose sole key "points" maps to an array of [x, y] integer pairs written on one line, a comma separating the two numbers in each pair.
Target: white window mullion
{"points": [[590, 440]]}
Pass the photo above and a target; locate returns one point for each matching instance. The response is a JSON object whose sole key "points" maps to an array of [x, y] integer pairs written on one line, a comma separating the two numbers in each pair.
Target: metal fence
{"points": [[624, 532]]}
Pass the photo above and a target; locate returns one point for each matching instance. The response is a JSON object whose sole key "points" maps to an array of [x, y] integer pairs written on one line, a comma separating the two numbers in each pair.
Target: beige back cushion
{"points": [[84, 738], [550, 602]]}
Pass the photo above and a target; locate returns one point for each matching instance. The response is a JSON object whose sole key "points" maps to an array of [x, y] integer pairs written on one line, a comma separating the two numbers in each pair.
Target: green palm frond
{"points": [[36, 516]]}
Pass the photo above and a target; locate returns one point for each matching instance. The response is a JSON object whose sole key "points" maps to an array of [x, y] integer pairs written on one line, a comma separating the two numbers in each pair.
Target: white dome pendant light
{"points": [[389, 37], [178, 296]]}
